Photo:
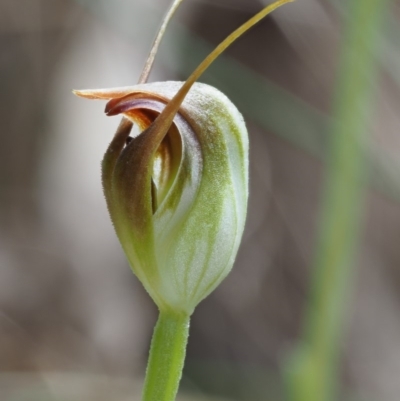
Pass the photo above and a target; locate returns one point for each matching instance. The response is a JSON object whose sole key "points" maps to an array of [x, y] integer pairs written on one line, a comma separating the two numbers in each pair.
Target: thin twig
{"points": [[150, 59]]}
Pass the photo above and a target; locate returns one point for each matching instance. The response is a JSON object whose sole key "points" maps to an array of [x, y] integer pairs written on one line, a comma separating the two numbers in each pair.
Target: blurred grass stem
{"points": [[312, 369]]}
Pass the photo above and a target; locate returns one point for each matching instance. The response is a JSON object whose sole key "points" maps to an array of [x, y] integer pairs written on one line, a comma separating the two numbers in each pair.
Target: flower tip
{"points": [[117, 105], [111, 113], [112, 109], [104, 94], [109, 109], [87, 94]]}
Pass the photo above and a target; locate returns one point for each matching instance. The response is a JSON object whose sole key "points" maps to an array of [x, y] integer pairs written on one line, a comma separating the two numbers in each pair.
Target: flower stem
{"points": [[167, 356]]}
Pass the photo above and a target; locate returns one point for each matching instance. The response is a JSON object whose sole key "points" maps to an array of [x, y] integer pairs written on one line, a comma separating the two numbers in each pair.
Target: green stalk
{"points": [[313, 368], [167, 356]]}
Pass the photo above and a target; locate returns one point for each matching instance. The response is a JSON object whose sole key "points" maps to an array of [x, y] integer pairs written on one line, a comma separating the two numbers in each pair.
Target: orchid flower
{"points": [[177, 196]]}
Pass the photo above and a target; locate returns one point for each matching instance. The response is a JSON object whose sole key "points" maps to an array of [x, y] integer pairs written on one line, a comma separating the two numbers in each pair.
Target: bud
{"points": [[178, 203], [177, 192]]}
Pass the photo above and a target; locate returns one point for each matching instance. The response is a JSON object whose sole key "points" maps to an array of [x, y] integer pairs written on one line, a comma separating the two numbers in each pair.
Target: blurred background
{"points": [[75, 324]]}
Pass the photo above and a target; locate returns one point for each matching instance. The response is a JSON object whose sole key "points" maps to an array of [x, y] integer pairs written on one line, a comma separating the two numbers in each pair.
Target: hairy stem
{"points": [[167, 356]]}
